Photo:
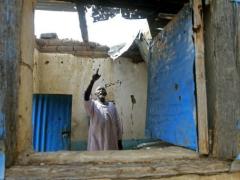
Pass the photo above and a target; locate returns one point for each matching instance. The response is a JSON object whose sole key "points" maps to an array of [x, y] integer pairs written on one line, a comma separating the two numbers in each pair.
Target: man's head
{"points": [[101, 93]]}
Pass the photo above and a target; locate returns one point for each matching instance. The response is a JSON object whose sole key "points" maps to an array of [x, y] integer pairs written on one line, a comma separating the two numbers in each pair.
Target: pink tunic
{"points": [[105, 127]]}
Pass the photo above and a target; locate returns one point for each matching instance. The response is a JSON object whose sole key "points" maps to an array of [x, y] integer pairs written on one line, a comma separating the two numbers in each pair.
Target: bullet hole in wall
{"points": [[180, 98], [133, 99], [176, 86]]}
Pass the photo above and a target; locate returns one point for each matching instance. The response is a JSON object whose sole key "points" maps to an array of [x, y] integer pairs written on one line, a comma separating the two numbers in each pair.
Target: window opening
{"points": [[118, 34]]}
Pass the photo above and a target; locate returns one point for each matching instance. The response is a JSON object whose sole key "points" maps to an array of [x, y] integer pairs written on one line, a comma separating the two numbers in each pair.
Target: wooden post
{"points": [[221, 35], [202, 120], [82, 21], [10, 55]]}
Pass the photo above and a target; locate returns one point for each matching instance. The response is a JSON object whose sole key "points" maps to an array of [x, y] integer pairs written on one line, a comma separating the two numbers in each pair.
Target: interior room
{"points": [[156, 106]]}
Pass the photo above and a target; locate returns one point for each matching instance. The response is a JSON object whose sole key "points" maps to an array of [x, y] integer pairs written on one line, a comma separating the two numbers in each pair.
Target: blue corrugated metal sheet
{"points": [[51, 120], [171, 88]]}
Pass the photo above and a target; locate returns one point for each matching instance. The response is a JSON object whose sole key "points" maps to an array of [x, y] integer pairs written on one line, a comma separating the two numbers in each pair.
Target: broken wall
{"points": [[24, 124], [126, 84], [16, 42]]}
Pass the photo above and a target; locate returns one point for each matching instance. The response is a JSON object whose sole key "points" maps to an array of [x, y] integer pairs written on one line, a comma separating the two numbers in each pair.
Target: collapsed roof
{"points": [[157, 12]]}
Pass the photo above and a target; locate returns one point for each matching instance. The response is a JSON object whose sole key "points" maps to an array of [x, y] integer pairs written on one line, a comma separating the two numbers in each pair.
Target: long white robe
{"points": [[105, 127]]}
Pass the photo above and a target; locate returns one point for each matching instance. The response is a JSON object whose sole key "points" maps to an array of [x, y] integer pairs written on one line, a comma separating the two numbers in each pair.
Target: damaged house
{"points": [[176, 89]]}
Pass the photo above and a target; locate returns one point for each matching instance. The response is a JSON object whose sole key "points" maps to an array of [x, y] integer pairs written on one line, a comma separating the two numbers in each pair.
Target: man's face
{"points": [[101, 92]]}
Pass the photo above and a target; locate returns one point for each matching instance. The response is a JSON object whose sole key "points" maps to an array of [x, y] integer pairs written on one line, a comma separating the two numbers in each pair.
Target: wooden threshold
{"points": [[125, 156], [129, 164]]}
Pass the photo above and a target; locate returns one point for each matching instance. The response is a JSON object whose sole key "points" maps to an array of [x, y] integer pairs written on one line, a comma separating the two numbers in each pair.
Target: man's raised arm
{"points": [[88, 91]]}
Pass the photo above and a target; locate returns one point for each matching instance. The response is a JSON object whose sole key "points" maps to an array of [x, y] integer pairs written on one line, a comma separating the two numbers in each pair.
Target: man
{"points": [[105, 130]]}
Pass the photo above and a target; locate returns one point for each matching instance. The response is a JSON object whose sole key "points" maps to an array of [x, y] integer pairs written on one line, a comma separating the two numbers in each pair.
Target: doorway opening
{"points": [[51, 122]]}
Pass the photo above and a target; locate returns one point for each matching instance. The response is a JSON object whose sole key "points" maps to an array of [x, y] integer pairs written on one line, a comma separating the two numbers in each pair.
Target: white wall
{"points": [[68, 74]]}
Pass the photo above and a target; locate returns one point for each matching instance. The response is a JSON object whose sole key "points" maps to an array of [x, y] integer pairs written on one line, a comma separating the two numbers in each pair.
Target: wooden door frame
{"points": [[201, 92]]}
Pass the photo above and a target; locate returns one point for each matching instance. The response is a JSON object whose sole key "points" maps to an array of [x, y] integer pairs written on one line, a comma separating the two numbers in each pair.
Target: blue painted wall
{"points": [[51, 119], [2, 165], [171, 88]]}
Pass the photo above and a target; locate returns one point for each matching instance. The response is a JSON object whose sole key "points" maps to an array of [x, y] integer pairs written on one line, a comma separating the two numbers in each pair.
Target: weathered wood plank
{"points": [[163, 168], [10, 16], [82, 21], [107, 156], [222, 30], [200, 78], [219, 176], [164, 6]]}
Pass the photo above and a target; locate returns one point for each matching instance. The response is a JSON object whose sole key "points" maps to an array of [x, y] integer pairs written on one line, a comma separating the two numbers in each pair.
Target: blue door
{"points": [[171, 109], [51, 119]]}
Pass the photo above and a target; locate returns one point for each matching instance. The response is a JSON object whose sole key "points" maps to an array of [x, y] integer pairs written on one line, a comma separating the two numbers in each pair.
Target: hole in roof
{"points": [[114, 31]]}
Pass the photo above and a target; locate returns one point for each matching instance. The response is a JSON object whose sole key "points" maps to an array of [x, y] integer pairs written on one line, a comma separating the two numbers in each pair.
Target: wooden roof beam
{"points": [[163, 6]]}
